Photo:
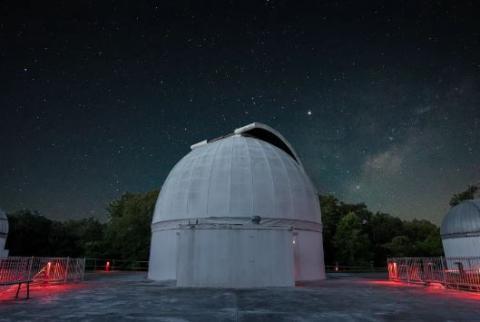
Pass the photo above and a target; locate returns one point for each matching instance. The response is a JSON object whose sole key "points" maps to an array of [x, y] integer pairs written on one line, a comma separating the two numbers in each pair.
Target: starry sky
{"points": [[381, 100]]}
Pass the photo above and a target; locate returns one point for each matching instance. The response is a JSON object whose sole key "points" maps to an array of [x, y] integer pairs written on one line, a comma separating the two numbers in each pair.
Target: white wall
{"points": [[163, 255], [308, 254], [307, 259], [462, 247], [235, 257]]}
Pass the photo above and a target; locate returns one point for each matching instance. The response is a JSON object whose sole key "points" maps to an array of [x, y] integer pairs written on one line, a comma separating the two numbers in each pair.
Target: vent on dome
{"points": [[261, 132], [265, 133], [271, 138]]}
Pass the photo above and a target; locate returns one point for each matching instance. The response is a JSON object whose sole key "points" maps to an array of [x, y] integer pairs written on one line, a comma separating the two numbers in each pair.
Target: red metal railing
{"points": [[452, 272], [41, 269]]}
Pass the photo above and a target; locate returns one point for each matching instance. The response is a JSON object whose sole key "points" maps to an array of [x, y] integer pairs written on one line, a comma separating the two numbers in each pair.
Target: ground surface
{"points": [[129, 296]]}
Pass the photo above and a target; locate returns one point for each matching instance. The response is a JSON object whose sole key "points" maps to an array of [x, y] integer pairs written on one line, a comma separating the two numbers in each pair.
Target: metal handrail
{"points": [[100, 264], [452, 272], [41, 269]]}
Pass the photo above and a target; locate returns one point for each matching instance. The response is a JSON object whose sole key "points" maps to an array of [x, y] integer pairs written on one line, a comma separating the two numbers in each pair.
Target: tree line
{"points": [[125, 235], [353, 235]]}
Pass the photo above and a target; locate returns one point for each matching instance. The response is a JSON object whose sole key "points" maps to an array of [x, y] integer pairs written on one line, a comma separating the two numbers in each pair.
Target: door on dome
{"points": [[296, 257]]}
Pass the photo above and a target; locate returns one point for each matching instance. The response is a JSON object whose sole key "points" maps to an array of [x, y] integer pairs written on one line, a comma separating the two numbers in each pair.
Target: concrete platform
{"points": [[343, 297]]}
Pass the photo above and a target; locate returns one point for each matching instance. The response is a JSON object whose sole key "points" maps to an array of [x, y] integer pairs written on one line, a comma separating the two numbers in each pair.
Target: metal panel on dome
{"points": [[462, 220]]}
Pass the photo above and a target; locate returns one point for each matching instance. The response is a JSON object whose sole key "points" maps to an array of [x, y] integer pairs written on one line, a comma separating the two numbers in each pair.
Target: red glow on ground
{"points": [[387, 283], [37, 291], [8, 292], [452, 293], [436, 285], [435, 289]]}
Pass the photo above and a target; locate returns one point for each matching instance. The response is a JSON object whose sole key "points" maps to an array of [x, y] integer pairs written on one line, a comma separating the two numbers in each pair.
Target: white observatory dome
{"points": [[462, 220], [238, 211], [460, 230], [237, 176]]}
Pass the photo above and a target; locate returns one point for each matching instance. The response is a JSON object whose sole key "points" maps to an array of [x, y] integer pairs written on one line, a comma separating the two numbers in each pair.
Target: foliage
{"points": [[399, 246], [468, 194], [89, 233], [34, 235], [353, 235], [351, 241], [128, 230], [29, 234]]}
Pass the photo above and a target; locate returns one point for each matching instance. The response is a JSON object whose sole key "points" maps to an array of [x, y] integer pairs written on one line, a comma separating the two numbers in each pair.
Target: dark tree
{"points": [[353, 235], [399, 246], [351, 241], [331, 216], [32, 234], [29, 234], [468, 194], [382, 229], [128, 230], [89, 235]]}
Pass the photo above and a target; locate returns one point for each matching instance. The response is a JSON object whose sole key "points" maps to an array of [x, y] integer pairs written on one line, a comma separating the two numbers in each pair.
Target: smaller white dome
{"points": [[3, 223], [462, 220]]}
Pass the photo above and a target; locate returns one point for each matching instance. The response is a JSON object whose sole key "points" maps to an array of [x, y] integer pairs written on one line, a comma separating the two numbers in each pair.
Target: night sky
{"points": [[102, 97]]}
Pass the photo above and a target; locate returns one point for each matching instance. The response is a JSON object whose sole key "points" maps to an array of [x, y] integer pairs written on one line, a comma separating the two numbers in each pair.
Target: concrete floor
{"points": [[129, 296]]}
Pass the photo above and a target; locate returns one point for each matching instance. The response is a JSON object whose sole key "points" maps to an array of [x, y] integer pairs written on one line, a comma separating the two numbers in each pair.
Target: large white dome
{"points": [[238, 211], [238, 176]]}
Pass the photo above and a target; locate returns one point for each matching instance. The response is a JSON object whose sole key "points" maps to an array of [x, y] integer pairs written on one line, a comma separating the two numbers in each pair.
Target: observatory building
{"points": [[238, 211], [3, 233], [460, 230]]}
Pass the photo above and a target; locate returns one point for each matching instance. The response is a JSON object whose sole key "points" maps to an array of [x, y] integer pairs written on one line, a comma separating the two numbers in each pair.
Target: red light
{"points": [[436, 285], [107, 266], [49, 266], [392, 270]]}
